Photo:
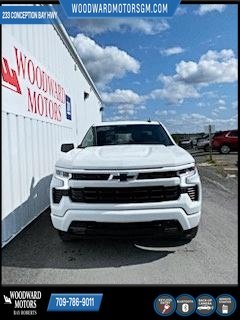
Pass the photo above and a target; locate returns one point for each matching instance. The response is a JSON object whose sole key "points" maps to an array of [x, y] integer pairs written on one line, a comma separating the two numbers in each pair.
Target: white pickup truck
{"points": [[126, 179]]}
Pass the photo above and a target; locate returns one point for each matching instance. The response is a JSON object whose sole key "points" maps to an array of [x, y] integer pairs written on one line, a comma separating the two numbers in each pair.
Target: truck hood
{"points": [[125, 157]]}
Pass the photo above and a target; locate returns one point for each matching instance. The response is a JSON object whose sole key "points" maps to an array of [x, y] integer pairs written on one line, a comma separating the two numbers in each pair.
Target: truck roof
{"points": [[119, 123]]}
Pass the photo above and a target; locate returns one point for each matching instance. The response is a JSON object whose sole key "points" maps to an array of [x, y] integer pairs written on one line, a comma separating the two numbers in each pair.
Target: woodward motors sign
{"points": [[23, 302], [30, 86]]}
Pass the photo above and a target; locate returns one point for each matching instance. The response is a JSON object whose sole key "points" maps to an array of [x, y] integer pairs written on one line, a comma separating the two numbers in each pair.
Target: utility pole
{"points": [[210, 141]]}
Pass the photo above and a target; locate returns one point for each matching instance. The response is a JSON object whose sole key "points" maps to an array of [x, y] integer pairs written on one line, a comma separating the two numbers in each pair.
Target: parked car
{"points": [[126, 179], [225, 141], [185, 143], [203, 142]]}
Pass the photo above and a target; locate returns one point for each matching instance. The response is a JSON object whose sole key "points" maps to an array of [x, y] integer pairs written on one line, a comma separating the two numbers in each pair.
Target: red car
{"points": [[225, 141]]}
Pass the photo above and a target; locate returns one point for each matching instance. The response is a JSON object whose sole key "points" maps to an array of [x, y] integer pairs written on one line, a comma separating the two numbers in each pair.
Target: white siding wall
{"points": [[31, 144]]}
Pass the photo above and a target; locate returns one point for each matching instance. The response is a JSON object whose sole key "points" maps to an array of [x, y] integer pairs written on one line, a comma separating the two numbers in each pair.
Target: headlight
{"points": [[187, 172], [63, 174]]}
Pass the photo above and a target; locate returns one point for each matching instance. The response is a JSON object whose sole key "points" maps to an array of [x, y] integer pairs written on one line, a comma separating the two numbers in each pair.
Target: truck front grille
{"points": [[139, 176], [125, 195], [90, 176], [157, 175]]}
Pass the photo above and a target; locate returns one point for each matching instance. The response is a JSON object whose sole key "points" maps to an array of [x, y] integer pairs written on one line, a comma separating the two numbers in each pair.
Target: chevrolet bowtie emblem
{"points": [[122, 176]]}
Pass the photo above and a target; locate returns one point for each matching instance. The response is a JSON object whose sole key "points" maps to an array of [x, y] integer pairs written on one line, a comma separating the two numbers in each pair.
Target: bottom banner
{"points": [[145, 302]]}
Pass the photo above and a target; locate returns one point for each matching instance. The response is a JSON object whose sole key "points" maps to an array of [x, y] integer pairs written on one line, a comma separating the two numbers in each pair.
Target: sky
{"points": [[181, 71]]}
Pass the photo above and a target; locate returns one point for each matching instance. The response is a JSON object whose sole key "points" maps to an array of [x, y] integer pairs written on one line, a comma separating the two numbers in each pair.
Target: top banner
{"points": [[119, 8], [35, 14]]}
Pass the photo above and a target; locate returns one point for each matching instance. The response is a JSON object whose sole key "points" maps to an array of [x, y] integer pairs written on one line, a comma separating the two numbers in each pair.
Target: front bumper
{"points": [[126, 216], [166, 229], [184, 211]]}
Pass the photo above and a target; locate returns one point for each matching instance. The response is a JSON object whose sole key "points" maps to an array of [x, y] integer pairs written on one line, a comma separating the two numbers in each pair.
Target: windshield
{"points": [[126, 134]]}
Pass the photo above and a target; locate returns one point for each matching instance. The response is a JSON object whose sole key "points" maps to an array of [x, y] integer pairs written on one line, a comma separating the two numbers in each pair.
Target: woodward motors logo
{"points": [[44, 95], [7, 300], [23, 302], [9, 77], [34, 87]]}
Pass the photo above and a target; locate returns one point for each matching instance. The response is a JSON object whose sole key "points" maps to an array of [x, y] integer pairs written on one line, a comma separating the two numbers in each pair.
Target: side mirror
{"points": [[67, 147]]}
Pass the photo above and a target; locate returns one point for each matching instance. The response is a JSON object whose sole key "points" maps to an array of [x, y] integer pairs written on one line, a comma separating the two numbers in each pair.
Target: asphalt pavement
{"points": [[38, 256]]}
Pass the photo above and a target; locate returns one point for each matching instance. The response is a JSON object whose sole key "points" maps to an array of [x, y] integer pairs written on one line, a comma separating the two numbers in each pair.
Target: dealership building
{"points": [[48, 98]]}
